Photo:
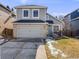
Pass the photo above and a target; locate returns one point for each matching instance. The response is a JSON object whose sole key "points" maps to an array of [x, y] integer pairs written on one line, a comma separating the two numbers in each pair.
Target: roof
{"points": [[71, 12], [30, 6], [50, 21], [29, 21], [54, 18], [7, 9]]}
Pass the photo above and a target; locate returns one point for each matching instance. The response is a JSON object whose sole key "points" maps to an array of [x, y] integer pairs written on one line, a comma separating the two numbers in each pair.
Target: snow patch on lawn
{"points": [[54, 51]]}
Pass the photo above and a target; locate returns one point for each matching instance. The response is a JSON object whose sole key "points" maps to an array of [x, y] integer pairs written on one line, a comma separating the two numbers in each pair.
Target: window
{"points": [[56, 28], [35, 13], [25, 13]]}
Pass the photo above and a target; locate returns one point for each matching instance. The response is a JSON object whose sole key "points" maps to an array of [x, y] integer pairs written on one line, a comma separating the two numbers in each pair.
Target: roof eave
{"points": [[37, 6]]}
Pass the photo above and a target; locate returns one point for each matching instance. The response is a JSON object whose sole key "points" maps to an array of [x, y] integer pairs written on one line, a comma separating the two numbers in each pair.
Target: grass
{"points": [[70, 46]]}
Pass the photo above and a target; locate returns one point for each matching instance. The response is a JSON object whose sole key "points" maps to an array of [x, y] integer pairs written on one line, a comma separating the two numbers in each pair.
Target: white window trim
{"points": [[32, 14], [23, 13]]}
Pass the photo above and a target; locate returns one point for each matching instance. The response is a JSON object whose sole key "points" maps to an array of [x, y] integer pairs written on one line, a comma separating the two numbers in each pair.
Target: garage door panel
{"points": [[30, 31]]}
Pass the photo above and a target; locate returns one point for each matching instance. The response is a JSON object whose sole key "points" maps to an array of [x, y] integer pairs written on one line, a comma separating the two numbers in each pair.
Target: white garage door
{"points": [[31, 31]]}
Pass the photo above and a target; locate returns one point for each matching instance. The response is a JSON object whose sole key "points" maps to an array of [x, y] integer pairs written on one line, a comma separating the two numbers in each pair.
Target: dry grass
{"points": [[70, 46]]}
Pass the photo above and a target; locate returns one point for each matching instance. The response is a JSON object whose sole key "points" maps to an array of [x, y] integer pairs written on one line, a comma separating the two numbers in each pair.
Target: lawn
{"points": [[70, 46]]}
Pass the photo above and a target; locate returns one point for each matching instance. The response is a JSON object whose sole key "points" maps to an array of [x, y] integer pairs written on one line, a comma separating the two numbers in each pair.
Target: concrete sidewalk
{"points": [[41, 53]]}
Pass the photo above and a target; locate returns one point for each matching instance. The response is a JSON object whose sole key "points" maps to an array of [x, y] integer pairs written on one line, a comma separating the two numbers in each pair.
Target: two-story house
{"points": [[71, 23], [32, 21]]}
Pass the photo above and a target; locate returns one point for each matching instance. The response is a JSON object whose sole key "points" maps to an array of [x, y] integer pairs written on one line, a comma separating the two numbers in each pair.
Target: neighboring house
{"points": [[72, 23], [6, 19], [33, 21], [54, 24]]}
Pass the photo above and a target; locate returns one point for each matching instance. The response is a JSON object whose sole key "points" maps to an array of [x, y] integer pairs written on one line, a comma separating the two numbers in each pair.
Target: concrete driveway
{"points": [[22, 50]]}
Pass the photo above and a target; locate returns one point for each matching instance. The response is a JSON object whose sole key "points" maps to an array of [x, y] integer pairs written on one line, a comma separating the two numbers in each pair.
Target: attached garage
{"points": [[30, 30]]}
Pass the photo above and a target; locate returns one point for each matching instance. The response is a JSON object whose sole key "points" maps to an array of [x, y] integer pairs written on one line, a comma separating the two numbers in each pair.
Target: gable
{"points": [[50, 17]]}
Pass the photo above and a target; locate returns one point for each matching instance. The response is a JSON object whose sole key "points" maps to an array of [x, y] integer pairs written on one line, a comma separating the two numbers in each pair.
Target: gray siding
{"points": [[42, 13], [75, 25], [19, 14]]}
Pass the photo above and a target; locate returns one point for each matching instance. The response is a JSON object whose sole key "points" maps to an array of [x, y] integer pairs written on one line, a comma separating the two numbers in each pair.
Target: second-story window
{"points": [[26, 13], [35, 13]]}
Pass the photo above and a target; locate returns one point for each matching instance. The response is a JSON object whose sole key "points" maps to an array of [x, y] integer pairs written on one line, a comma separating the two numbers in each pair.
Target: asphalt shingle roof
{"points": [[29, 21], [50, 21]]}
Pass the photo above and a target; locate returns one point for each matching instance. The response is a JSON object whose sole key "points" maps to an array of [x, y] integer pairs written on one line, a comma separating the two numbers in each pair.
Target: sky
{"points": [[55, 7]]}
